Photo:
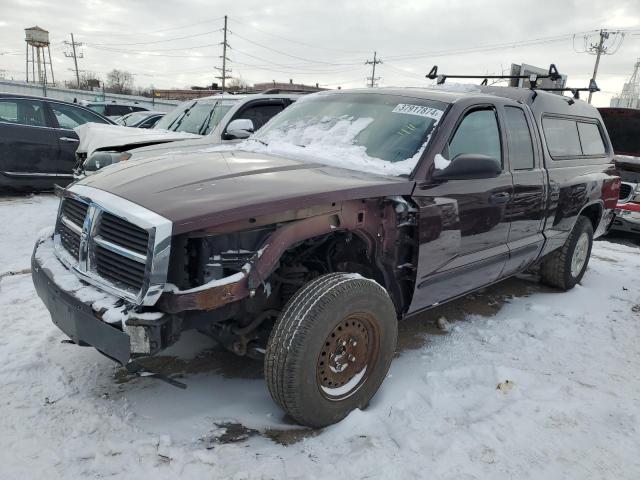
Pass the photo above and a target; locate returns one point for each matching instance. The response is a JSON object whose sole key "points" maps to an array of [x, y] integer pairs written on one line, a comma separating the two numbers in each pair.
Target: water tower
{"points": [[38, 39]]}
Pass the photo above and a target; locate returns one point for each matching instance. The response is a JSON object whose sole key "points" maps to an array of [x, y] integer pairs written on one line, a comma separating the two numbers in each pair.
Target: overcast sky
{"points": [[323, 41]]}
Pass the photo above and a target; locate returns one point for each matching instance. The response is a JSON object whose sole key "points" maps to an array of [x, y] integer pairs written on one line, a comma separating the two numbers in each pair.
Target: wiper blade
{"points": [[258, 140]]}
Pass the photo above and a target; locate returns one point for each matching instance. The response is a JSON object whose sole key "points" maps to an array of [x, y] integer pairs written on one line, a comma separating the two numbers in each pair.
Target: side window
{"points": [[477, 134], [561, 136], [101, 109], [150, 122], [70, 117], [117, 110], [590, 139], [519, 139], [261, 114], [23, 112]]}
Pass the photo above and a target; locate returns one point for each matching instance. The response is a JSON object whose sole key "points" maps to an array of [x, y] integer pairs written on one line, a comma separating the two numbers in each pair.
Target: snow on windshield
{"points": [[374, 134]]}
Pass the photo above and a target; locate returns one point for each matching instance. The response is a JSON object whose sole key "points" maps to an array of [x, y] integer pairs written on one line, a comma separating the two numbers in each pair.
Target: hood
{"points": [[207, 188], [188, 145], [98, 136]]}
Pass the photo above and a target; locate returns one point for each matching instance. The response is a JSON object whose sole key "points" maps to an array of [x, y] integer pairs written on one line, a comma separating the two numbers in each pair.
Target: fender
{"points": [[362, 217]]}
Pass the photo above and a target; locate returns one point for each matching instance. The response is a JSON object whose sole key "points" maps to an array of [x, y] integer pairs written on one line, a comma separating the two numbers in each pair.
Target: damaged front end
{"points": [[229, 281]]}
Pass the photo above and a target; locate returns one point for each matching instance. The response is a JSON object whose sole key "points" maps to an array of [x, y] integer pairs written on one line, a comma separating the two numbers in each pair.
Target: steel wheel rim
{"points": [[347, 357], [580, 252]]}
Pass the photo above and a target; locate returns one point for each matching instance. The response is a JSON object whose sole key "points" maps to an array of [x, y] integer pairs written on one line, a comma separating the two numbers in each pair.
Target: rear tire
{"points": [[565, 267], [331, 348]]}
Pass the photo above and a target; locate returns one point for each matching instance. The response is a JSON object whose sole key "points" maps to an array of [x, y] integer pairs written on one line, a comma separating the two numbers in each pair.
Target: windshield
{"points": [[97, 108], [132, 118], [199, 117], [360, 131]]}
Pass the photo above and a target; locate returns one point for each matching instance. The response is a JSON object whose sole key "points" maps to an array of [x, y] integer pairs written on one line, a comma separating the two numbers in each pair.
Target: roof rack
{"points": [[533, 78], [593, 87]]}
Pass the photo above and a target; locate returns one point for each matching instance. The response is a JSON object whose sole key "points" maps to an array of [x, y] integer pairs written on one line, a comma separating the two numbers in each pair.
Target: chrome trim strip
{"points": [[37, 174], [70, 225], [159, 229], [125, 252]]}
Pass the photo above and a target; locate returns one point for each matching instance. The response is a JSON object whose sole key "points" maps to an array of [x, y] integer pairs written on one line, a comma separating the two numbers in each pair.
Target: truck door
{"points": [[526, 209], [463, 227]]}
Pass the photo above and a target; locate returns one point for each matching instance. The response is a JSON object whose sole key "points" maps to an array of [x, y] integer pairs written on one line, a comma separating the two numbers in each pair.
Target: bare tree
{"points": [[236, 84], [88, 80], [119, 81]]}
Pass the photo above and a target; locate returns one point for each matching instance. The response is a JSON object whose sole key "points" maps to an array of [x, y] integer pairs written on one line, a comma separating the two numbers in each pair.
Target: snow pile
{"points": [[114, 311], [546, 388], [456, 87], [331, 142]]}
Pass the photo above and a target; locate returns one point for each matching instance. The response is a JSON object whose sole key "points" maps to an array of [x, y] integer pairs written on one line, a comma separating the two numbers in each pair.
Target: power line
{"points": [[154, 41], [298, 41], [306, 59]]}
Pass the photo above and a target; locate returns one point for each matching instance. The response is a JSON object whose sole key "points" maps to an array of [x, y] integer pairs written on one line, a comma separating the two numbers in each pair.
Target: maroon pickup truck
{"points": [[306, 244]]}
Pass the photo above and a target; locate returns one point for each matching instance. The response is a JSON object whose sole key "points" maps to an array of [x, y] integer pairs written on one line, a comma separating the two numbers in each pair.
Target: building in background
{"points": [[273, 85]]}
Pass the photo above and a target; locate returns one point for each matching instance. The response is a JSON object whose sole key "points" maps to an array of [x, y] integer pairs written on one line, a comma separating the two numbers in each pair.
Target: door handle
{"points": [[499, 198], [69, 139]]}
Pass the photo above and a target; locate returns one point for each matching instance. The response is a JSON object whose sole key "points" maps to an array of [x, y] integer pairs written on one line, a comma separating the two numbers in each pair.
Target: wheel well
{"points": [[335, 252], [593, 213]]}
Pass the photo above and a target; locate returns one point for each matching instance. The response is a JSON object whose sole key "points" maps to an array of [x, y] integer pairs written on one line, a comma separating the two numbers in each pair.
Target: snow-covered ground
{"points": [[570, 408]]}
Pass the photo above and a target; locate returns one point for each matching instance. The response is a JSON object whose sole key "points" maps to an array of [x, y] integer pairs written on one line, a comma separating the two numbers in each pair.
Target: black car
{"points": [[113, 109], [37, 141]]}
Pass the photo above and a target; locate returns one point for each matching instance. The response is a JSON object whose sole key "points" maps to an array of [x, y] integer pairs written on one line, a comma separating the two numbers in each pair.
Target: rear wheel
{"points": [[331, 348], [565, 267]]}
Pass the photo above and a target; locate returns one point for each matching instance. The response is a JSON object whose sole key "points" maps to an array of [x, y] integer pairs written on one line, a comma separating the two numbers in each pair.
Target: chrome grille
{"points": [[119, 269], [123, 233], [69, 226], [70, 240], [626, 189], [74, 210], [113, 243]]}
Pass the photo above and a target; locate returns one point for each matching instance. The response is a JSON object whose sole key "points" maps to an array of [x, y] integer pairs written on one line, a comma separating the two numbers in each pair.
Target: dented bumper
{"points": [[135, 336]]}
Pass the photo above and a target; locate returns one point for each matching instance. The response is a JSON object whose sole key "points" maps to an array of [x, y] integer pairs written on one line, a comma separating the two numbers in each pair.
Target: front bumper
{"points": [[626, 221], [138, 334]]}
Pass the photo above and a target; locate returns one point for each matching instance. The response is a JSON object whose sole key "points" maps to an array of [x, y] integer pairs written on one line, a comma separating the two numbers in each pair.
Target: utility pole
{"points": [[608, 43], [373, 63], [224, 71], [599, 49], [75, 57]]}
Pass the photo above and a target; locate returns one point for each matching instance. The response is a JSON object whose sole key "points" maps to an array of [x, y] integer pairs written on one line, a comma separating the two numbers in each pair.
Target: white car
{"points": [[216, 119]]}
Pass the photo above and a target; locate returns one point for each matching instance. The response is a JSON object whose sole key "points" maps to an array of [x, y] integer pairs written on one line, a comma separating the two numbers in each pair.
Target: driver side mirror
{"points": [[469, 166], [240, 128]]}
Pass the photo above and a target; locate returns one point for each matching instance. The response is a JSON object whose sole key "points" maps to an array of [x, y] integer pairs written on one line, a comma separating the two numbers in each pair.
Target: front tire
{"points": [[331, 348], [565, 267]]}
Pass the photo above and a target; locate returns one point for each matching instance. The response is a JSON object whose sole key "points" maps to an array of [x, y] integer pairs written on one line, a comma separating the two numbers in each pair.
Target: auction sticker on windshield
{"points": [[419, 110]]}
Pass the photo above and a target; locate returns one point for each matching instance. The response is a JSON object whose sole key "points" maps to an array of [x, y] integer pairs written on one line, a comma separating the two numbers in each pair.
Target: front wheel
{"points": [[331, 348], [565, 267]]}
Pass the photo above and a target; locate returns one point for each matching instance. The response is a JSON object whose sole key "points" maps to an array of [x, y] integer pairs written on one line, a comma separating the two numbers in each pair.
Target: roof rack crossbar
{"points": [[552, 74], [593, 87]]}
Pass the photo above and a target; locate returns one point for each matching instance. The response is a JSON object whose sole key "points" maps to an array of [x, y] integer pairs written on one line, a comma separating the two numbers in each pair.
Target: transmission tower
{"points": [[605, 43], [373, 79], [224, 71], [630, 96], [75, 56]]}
